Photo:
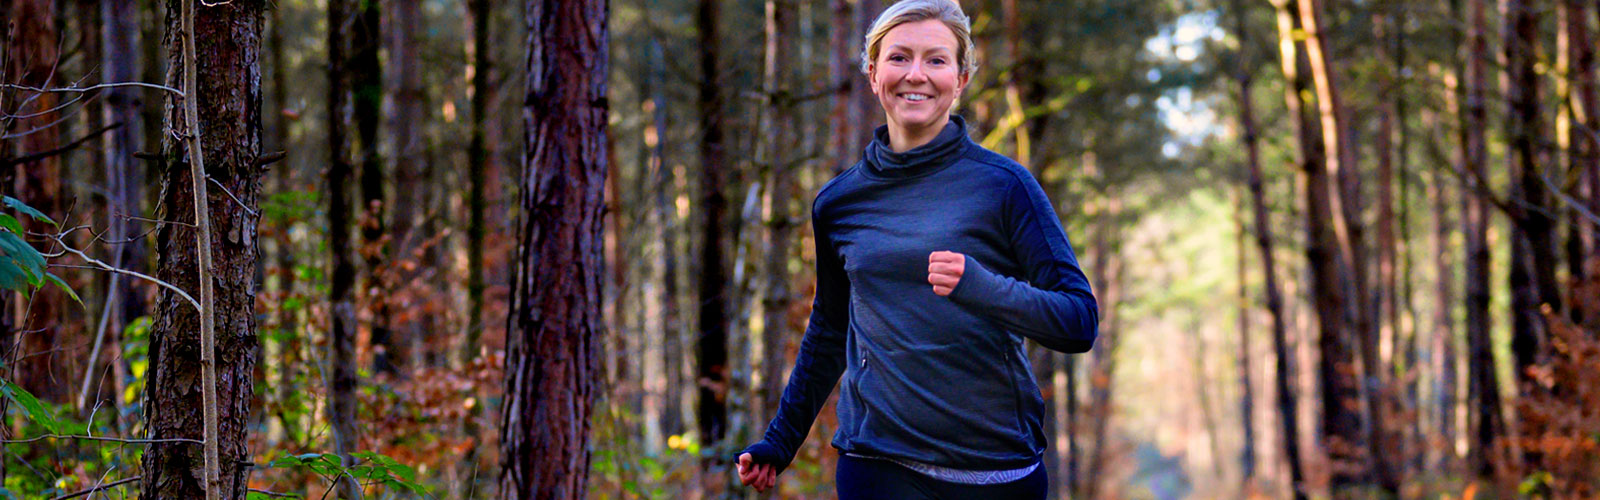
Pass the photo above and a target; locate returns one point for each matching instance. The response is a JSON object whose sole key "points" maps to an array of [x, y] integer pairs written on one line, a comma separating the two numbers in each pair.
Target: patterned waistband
{"points": [[959, 476]]}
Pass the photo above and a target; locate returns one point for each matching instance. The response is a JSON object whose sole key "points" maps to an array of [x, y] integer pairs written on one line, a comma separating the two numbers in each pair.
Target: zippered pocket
{"points": [[1016, 393], [855, 395]]}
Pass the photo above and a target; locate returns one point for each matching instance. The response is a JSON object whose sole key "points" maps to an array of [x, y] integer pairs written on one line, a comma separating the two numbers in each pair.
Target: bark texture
{"points": [[229, 102], [551, 339]]}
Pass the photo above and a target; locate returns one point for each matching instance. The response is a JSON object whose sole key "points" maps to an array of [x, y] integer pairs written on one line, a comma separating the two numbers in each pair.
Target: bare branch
{"points": [[235, 199], [179, 93], [9, 162], [100, 438], [109, 485], [98, 264]]}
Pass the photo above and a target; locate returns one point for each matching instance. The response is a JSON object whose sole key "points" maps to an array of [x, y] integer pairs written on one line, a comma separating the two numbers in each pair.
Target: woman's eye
{"points": [[936, 60], [897, 58]]}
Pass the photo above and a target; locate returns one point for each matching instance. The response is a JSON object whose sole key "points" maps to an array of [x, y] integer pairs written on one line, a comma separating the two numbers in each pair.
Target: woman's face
{"points": [[916, 76]]}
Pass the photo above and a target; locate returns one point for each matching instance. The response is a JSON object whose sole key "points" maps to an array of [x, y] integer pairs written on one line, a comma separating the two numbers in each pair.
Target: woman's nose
{"points": [[915, 73]]}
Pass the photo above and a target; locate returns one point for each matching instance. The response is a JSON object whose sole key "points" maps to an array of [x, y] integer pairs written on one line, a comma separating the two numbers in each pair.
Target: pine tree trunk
{"points": [[1286, 398], [366, 87], [31, 61], [124, 173], [229, 103], [1341, 425], [780, 181], [551, 345], [844, 72], [342, 316], [1533, 258], [1485, 421], [409, 172], [712, 372], [477, 163]]}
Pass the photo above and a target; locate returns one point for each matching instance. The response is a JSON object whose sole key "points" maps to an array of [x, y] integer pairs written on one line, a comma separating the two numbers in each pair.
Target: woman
{"points": [[938, 399]]}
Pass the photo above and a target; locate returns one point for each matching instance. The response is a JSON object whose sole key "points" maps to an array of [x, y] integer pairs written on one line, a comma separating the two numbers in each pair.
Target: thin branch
{"points": [[235, 199], [179, 93], [58, 107], [9, 162], [97, 264], [109, 485], [273, 493], [1570, 201], [100, 438]]}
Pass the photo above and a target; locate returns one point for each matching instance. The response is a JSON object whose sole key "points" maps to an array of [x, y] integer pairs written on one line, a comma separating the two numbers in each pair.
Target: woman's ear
{"points": [[961, 84], [872, 76]]}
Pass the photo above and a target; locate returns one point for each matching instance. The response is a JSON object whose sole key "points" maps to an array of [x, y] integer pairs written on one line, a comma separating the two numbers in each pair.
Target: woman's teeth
{"points": [[916, 97]]}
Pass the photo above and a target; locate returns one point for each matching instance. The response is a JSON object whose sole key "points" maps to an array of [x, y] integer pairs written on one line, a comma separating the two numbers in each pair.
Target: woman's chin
{"points": [[917, 120]]}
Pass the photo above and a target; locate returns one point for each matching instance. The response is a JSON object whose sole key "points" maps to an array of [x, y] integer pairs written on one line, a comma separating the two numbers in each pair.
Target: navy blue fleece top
{"points": [[936, 379]]}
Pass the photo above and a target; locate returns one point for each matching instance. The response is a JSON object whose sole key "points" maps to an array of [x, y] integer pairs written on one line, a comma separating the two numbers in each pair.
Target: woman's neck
{"points": [[902, 139]]}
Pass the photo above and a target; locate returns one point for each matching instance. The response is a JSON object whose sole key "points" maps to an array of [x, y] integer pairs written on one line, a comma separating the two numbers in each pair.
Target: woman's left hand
{"points": [[944, 271]]}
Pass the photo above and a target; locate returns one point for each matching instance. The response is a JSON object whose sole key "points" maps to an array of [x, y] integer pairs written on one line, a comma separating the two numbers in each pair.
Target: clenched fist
{"points": [[760, 476], [944, 271]]}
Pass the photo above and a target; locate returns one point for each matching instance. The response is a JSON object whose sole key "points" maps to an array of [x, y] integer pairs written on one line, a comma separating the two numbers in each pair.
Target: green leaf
{"points": [[13, 277], [31, 406], [63, 286], [24, 255], [29, 211], [10, 223]]}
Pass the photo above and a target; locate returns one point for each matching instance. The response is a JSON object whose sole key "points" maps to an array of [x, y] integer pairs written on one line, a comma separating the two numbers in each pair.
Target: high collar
{"points": [[936, 154]]}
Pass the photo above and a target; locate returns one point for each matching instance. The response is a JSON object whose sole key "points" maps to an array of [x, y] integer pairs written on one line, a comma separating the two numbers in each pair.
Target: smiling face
{"points": [[917, 77]]}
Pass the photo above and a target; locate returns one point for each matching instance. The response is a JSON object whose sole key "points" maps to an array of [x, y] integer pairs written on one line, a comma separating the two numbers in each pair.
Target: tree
{"points": [[342, 317], [1341, 425], [366, 88], [777, 78], [712, 341], [227, 103], [1486, 421], [551, 363]]}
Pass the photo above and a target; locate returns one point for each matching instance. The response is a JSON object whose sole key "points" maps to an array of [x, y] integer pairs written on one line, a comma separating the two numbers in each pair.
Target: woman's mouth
{"points": [[915, 97]]}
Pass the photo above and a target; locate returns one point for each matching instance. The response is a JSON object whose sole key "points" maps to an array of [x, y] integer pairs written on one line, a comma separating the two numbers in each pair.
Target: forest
{"points": [[562, 249]]}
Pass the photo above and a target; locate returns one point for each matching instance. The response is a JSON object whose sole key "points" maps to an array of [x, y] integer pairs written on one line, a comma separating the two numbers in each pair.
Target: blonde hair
{"points": [[910, 11]]}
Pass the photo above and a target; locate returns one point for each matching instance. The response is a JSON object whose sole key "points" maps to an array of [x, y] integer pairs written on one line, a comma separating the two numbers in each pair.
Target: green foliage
{"points": [[19, 206], [374, 468], [37, 412], [22, 266]]}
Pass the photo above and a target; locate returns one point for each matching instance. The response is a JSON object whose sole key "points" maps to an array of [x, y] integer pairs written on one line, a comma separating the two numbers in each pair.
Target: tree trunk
{"points": [[229, 102], [1247, 450], [780, 193], [1533, 258], [407, 125], [366, 87], [1341, 425], [477, 162], [1585, 136], [1486, 421], [342, 316], [124, 173], [1286, 399], [844, 71], [713, 335], [1388, 441], [31, 61], [555, 320], [1103, 363], [1443, 342]]}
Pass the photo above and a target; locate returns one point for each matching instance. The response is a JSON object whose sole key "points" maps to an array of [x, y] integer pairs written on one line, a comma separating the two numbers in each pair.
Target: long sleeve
{"points": [[820, 362], [1055, 305]]}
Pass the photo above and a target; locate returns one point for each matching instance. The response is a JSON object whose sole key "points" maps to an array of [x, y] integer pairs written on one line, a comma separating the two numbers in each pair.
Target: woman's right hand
{"points": [[761, 476]]}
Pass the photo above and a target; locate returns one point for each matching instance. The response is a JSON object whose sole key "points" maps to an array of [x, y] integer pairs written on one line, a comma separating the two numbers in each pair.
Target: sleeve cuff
{"points": [[765, 453], [976, 282]]}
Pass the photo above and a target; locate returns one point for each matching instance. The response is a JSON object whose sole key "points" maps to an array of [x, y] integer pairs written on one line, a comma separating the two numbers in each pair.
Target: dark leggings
{"points": [[872, 479]]}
